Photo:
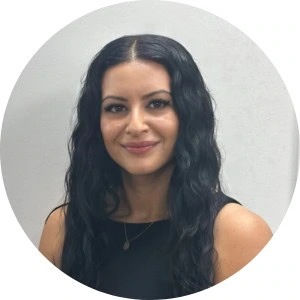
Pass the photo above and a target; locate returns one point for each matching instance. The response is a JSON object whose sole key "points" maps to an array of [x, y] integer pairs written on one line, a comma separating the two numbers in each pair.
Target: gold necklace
{"points": [[128, 241]]}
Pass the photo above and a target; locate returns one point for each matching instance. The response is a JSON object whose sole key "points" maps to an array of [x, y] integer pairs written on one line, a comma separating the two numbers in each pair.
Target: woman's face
{"points": [[138, 121]]}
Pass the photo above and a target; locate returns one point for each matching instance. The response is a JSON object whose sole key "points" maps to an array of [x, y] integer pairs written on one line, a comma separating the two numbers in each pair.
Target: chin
{"points": [[140, 170]]}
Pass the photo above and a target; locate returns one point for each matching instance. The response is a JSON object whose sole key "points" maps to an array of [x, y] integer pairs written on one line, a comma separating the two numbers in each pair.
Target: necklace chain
{"points": [[128, 241]]}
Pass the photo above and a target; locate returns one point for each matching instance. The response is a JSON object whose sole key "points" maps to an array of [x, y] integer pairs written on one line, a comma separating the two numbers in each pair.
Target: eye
{"points": [[115, 108], [158, 103]]}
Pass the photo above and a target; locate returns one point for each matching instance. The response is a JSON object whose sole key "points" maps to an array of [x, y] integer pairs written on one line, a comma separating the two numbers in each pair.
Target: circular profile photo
{"points": [[146, 157]]}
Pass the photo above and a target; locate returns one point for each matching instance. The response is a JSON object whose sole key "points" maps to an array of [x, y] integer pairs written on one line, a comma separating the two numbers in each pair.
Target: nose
{"points": [[137, 124]]}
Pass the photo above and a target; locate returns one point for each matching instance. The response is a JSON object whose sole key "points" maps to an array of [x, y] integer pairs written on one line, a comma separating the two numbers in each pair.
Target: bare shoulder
{"points": [[239, 235], [52, 237]]}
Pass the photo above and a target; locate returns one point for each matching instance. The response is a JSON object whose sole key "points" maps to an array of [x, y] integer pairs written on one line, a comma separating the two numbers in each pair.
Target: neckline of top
{"points": [[135, 223]]}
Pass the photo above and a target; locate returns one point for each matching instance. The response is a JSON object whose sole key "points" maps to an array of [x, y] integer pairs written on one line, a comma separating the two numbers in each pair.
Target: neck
{"points": [[144, 198]]}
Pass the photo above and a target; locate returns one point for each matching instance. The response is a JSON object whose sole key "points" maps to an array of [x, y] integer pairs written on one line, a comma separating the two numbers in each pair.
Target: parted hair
{"points": [[92, 175]]}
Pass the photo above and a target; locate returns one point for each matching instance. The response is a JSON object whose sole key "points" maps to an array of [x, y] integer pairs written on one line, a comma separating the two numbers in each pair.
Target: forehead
{"points": [[139, 76]]}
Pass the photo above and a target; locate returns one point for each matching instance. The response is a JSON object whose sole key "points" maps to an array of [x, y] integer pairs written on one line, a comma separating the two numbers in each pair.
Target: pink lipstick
{"points": [[140, 148]]}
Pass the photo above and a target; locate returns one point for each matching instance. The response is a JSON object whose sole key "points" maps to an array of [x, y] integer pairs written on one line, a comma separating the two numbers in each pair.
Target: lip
{"points": [[141, 144], [141, 147]]}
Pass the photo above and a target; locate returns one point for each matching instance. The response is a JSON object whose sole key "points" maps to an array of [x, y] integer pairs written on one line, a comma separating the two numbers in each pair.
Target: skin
{"points": [[145, 113], [239, 234]]}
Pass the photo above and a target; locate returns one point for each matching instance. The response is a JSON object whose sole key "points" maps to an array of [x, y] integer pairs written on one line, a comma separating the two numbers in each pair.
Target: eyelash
{"points": [[162, 104]]}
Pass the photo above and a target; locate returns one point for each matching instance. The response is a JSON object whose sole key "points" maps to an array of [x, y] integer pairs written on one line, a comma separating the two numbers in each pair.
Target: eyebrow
{"points": [[143, 97]]}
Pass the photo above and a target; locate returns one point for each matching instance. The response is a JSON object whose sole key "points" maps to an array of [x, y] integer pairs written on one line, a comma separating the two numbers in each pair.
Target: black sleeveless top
{"points": [[142, 271]]}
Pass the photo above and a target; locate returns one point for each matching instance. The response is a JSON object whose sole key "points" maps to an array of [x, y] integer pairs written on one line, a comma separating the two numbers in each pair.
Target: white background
{"points": [[256, 122], [271, 25]]}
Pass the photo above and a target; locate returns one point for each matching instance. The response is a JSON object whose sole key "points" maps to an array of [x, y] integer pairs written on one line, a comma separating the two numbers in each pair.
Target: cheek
{"points": [[168, 127], [105, 130], [110, 130]]}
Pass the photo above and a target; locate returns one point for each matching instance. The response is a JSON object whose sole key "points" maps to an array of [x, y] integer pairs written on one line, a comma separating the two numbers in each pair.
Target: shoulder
{"points": [[52, 237], [239, 235]]}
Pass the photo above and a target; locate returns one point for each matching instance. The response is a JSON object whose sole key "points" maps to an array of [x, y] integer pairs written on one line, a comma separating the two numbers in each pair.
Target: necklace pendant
{"points": [[126, 245]]}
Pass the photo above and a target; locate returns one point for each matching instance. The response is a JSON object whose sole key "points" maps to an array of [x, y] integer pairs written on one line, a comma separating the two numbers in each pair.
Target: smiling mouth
{"points": [[140, 149]]}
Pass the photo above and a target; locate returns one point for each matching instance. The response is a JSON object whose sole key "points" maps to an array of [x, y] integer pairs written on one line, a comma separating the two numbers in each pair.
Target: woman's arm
{"points": [[52, 237], [239, 235]]}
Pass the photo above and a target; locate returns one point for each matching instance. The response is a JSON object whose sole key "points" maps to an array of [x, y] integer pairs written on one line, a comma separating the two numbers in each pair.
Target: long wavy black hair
{"points": [[92, 174]]}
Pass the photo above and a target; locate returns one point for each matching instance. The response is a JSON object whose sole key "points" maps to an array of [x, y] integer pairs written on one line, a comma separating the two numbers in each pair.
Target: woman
{"points": [[144, 215]]}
